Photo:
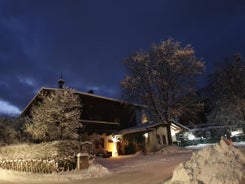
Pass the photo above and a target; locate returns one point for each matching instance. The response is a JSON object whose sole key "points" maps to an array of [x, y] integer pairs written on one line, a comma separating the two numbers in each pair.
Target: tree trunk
{"points": [[170, 142]]}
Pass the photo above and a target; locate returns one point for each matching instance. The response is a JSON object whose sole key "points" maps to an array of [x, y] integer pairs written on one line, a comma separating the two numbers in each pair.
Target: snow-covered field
{"points": [[132, 169]]}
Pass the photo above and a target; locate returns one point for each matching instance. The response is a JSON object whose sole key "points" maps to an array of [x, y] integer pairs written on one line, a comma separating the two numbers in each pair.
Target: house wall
{"points": [[173, 134], [141, 141], [109, 145], [162, 132], [150, 141], [156, 139], [99, 109]]}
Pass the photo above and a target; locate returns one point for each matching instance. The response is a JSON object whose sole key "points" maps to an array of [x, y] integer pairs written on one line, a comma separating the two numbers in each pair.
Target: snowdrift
{"points": [[218, 164]]}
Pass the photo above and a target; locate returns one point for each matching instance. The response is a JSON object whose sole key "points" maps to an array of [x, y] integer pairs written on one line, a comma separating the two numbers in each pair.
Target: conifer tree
{"points": [[56, 116]]}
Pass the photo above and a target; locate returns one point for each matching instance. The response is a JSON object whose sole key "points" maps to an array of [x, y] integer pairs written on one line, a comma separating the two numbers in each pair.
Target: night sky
{"points": [[88, 40]]}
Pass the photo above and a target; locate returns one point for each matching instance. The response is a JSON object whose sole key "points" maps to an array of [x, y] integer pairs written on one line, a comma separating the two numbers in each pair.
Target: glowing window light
{"points": [[146, 135]]}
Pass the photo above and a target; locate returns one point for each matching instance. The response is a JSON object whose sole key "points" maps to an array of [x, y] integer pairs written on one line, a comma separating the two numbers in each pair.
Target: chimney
{"points": [[61, 82], [91, 91]]}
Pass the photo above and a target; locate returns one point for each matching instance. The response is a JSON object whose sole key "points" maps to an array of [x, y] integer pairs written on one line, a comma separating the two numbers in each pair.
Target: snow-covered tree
{"points": [[56, 116], [228, 92], [163, 78]]}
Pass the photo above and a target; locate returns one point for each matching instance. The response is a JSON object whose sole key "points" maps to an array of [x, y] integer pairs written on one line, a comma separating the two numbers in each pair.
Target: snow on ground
{"points": [[239, 144], [95, 170], [199, 146], [131, 169], [137, 168], [221, 163]]}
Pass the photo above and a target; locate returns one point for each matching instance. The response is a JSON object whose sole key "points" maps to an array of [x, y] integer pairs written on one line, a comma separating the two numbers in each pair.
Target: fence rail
{"points": [[40, 166]]}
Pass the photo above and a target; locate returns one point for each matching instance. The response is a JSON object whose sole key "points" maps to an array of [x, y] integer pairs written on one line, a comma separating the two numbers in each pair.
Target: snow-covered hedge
{"points": [[46, 150]]}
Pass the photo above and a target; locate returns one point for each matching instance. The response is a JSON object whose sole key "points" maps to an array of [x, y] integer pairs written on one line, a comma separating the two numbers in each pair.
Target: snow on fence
{"points": [[40, 166]]}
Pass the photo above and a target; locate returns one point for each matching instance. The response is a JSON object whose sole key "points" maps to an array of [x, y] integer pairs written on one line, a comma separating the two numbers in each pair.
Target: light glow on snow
{"points": [[114, 149]]}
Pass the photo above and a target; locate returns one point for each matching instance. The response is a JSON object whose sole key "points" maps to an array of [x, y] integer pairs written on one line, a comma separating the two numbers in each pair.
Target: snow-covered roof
{"points": [[139, 128], [149, 126], [176, 124], [79, 93]]}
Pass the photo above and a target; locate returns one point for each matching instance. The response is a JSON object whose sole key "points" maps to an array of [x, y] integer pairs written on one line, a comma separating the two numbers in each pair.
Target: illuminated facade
{"points": [[100, 116], [113, 126]]}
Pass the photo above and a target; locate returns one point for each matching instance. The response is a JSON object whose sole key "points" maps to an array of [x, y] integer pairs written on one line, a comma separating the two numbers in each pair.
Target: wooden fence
{"points": [[40, 166]]}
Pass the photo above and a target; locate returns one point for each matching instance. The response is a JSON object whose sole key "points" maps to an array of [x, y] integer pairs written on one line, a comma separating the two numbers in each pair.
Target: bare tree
{"points": [[227, 84], [163, 78], [57, 116]]}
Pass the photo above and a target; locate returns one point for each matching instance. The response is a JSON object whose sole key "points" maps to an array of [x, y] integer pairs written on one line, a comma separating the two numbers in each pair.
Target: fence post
{"points": [[82, 161]]}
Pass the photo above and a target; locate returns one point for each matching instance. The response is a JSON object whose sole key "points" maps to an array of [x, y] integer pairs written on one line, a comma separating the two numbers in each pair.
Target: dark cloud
{"points": [[87, 40]]}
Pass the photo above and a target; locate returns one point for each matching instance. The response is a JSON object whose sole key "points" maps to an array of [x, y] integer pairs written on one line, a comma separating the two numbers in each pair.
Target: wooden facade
{"points": [[99, 114]]}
